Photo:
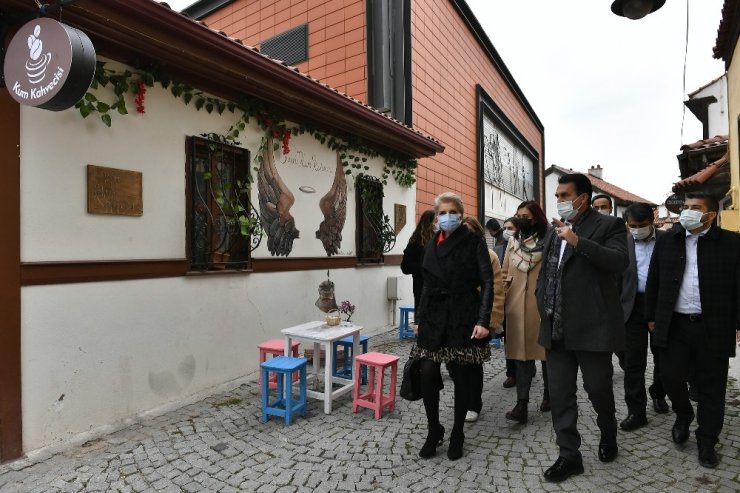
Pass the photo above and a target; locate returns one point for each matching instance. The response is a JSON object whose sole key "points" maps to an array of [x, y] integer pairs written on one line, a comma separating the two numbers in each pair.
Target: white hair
{"points": [[449, 197]]}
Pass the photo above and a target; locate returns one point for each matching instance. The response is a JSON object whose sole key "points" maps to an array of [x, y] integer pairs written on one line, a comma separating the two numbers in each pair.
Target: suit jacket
{"points": [[718, 263], [457, 293], [629, 276], [591, 309]]}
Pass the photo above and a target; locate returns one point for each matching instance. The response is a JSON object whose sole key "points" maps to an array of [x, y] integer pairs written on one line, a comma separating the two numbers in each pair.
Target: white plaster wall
{"points": [[717, 121], [551, 207], [116, 349]]}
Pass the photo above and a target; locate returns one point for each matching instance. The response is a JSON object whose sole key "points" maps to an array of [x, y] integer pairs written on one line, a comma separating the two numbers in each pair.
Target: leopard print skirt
{"points": [[475, 355]]}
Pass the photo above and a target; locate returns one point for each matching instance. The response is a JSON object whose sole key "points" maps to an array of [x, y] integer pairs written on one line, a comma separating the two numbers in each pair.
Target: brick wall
{"points": [[447, 63], [336, 35]]}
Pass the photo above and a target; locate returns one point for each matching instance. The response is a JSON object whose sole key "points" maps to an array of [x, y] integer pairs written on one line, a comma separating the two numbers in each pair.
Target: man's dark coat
{"points": [[451, 302], [591, 309], [718, 259], [629, 276]]}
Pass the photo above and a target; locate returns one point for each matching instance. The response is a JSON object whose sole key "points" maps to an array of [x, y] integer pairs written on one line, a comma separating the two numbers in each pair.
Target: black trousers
{"points": [[688, 355], [635, 361], [463, 376], [476, 383], [562, 371], [525, 371]]}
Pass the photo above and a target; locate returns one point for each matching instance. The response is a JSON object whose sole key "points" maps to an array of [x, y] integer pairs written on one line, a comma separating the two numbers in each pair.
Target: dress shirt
{"points": [[643, 252], [563, 244], [689, 301]]}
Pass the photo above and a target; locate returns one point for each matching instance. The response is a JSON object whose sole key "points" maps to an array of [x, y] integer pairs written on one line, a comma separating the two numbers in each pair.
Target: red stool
{"points": [[375, 399], [276, 347]]}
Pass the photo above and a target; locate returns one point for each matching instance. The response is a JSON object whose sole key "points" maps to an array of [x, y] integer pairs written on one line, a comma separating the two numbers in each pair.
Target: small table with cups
{"points": [[321, 334]]}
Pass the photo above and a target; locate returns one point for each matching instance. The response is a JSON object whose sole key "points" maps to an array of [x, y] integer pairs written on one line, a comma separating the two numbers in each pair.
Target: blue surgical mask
{"points": [[449, 222], [566, 209], [691, 219]]}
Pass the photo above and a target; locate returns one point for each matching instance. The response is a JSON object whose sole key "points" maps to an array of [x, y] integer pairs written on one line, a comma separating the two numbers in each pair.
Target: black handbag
{"points": [[411, 382]]}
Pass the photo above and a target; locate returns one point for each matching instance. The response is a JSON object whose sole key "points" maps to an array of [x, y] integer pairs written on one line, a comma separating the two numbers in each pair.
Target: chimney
{"points": [[596, 171]]}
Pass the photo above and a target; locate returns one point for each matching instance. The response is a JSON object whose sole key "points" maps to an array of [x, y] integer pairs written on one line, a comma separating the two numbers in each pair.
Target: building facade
{"points": [[425, 62], [148, 253]]}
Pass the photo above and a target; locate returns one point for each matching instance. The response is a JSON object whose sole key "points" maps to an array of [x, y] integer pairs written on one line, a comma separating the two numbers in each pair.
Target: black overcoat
{"points": [[413, 255], [718, 262], [457, 293], [629, 277], [591, 310]]}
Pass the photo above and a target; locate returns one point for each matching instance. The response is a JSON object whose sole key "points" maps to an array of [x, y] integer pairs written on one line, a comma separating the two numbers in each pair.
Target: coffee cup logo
{"points": [[49, 65], [37, 63]]}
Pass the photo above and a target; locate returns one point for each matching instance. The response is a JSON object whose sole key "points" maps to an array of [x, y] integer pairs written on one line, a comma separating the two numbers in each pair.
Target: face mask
{"points": [[691, 219], [526, 228], [566, 210], [508, 234], [449, 222], [641, 233], [606, 212]]}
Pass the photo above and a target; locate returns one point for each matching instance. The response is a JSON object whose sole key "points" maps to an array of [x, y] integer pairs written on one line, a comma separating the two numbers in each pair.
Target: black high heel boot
{"points": [[435, 437], [455, 450]]}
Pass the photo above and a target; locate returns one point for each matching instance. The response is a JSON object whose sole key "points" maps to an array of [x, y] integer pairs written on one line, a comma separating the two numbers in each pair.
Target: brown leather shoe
{"points": [[509, 382], [519, 413]]}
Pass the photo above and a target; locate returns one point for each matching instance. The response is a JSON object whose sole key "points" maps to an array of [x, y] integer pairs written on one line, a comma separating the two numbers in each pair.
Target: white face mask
{"points": [[641, 233], [566, 210], [691, 219], [507, 234], [606, 212]]}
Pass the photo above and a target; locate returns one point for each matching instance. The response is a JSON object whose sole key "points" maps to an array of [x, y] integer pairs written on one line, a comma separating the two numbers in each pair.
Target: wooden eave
{"points": [[142, 31]]}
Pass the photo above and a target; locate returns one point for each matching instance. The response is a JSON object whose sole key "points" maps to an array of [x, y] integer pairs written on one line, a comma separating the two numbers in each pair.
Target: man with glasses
{"points": [[693, 310]]}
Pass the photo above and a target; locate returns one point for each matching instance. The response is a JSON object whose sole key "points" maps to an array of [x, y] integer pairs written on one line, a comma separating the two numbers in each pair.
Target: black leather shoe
{"points": [[660, 405], [680, 432], [608, 451], [434, 440], [633, 422], [563, 469], [707, 455]]}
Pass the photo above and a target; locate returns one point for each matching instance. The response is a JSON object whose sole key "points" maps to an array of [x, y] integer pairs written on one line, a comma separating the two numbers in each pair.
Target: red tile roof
{"points": [[703, 175], [715, 141], [726, 40], [606, 187]]}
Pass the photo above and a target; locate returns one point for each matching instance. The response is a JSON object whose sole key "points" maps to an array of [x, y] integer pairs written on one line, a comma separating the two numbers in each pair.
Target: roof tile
{"points": [[608, 188]]}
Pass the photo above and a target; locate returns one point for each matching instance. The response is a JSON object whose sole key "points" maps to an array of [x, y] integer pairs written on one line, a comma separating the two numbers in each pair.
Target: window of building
{"points": [[374, 234], [507, 164], [389, 57], [221, 220], [290, 46]]}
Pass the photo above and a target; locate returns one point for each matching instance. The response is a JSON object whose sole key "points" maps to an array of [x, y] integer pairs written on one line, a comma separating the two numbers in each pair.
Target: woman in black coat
{"points": [[414, 252], [453, 317]]}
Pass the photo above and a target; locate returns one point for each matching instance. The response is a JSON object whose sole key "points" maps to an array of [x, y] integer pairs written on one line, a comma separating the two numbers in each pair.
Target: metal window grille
{"points": [[290, 46]]}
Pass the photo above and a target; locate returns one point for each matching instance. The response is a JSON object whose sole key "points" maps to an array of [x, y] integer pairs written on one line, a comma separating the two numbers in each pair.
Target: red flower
{"points": [[139, 99]]}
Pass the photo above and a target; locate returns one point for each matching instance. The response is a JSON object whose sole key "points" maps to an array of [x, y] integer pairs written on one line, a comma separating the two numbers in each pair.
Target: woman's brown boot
{"points": [[519, 413]]}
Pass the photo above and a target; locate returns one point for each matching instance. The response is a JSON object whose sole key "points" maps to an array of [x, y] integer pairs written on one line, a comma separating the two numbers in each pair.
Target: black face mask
{"points": [[526, 227]]}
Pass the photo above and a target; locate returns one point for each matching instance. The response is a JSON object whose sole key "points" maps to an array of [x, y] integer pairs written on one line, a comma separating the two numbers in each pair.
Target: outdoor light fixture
{"points": [[636, 9]]}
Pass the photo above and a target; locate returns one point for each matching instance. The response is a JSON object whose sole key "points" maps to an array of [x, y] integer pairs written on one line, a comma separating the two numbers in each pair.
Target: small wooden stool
{"points": [[346, 371], [284, 406], [404, 328], [275, 347], [375, 399]]}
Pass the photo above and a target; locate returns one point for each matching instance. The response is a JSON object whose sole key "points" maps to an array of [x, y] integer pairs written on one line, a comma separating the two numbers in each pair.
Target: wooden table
{"points": [[320, 334]]}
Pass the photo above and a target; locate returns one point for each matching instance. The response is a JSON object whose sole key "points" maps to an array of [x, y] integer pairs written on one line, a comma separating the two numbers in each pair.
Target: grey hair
{"points": [[449, 197]]}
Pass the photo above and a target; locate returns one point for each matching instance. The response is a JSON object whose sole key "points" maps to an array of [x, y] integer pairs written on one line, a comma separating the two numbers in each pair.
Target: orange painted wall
{"points": [[447, 63], [336, 35]]}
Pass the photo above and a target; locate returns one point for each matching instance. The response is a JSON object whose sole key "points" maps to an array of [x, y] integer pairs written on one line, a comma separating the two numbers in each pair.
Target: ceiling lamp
{"points": [[636, 9]]}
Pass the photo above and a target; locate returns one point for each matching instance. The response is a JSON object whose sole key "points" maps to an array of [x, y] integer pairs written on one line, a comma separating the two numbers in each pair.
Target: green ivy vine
{"points": [[353, 151]]}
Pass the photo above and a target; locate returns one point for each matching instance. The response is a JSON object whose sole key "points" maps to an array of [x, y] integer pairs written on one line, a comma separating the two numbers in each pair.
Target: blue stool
{"points": [[285, 406], [348, 344], [404, 329]]}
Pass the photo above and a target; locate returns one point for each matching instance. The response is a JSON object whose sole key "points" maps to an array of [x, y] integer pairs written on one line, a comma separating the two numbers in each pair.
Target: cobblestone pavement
{"points": [[219, 444]]}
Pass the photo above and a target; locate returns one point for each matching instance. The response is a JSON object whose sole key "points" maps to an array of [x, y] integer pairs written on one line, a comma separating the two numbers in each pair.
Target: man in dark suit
{"points": [[640, 244], [581, 318], [693, 309]]}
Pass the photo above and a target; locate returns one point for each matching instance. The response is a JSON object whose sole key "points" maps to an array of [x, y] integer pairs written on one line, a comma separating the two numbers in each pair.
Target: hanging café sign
{"points": [[49, 65]]}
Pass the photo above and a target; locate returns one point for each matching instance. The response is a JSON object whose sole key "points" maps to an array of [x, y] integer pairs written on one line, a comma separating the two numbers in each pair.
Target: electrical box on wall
{"points": [[395, 287]]}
